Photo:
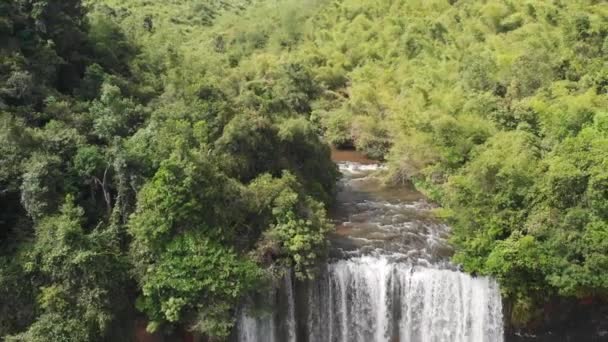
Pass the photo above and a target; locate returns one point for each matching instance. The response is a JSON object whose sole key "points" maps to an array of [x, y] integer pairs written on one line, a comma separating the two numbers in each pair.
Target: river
{"points": [[388, 277]]}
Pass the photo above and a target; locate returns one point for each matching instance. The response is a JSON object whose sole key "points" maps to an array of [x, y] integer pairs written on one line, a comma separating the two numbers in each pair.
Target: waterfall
{"points": [[260, 325], [373, 299], [276, 321], [256, 329], [388, 279], [291, 310], [368, 298]]}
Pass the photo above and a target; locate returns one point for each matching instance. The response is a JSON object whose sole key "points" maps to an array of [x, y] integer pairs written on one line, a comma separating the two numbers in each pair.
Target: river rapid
{"points": [[388, 277]]}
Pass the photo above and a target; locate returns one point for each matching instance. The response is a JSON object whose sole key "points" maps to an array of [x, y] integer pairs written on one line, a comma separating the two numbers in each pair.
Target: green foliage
{"points": [[186, 272], [81, 277], [114, 115], [41, 185], [495, 108], [46, 327], [193, 280], [167, 205], [15, 146], [154, 142], [17, 308], [302, 234], [188, 135], [299, 227]]}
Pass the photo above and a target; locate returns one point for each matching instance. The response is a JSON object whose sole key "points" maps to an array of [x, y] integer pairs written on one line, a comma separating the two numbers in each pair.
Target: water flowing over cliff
{"points": [[388, 279]]}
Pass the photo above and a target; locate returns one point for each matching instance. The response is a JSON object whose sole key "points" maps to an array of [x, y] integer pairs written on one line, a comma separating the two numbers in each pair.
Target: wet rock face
{"points": [[568, 321]]}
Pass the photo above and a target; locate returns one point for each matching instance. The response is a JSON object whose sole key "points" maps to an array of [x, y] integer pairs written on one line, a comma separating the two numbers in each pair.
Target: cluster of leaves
{"points": [[81, 277], [131, 179], [299, 224]]}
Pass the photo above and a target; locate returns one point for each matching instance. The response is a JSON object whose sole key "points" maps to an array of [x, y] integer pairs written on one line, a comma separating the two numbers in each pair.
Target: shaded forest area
{"points": [[164, 159]]}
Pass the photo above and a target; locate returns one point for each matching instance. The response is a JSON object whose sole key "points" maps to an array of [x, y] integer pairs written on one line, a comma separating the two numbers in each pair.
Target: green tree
{"points": [[81, 277]]}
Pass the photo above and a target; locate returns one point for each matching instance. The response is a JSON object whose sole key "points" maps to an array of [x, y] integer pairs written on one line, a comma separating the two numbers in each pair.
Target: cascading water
{"points": [[388, 279], [373, 299]]}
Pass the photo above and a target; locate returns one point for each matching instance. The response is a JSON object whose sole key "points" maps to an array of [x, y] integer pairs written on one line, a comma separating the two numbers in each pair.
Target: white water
{"points": [[373, 299], [390, 282], [291, 309], [256, 329]]}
